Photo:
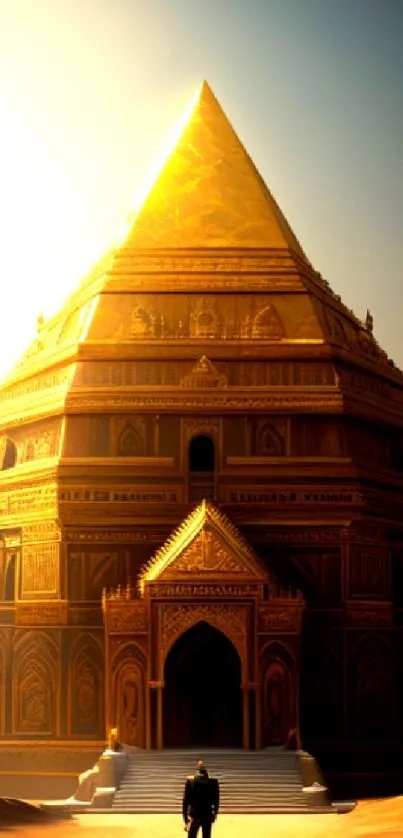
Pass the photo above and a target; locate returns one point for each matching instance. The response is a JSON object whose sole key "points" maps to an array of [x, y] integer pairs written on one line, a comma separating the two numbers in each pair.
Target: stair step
{"points": [[263, 781]]}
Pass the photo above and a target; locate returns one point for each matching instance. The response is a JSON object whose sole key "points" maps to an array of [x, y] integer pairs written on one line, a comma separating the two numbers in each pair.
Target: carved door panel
{"points": [[130, 705], [276, 704]]}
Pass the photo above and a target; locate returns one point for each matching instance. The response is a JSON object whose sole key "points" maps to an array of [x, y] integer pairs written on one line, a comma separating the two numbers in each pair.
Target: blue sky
{"points": [[90, 88]]}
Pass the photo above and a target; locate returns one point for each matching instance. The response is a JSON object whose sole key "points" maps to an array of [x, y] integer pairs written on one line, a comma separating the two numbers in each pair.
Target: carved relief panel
{"points": [[40, 574], [38, 442], [269, 437], [176, 618], [85, 686], [128, 668], [279, 694], [129, 436], [36, 683], [145, 317], [156, 373]]}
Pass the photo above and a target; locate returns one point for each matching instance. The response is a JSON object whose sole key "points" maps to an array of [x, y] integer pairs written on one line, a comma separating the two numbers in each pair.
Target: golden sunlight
{"points": [[55, 224], [159, 162]]}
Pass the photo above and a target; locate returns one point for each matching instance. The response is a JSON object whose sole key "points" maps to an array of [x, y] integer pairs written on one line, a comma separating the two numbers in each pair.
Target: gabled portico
{"points": [[205, 575]]}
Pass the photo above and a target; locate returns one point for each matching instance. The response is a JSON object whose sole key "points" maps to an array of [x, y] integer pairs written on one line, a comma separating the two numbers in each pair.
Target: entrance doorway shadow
{"points": [[202, 694]]}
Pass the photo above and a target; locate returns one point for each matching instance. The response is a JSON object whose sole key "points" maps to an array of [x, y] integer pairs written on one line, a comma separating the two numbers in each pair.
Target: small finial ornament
{"points": [[369, 322]]}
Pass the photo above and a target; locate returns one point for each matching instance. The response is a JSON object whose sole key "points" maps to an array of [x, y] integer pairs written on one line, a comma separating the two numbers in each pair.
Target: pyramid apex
{"points": [[208, 192]]}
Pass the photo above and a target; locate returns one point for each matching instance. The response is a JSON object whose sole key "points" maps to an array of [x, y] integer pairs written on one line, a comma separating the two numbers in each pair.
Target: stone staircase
{"points": [[250, 781]]}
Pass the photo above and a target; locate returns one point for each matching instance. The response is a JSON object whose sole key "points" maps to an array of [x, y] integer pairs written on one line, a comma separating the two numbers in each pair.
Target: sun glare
{"points": [[159, 163]]}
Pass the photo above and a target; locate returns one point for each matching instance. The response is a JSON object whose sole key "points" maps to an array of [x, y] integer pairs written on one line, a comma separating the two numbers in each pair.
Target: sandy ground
{"points": [[370, 819]]}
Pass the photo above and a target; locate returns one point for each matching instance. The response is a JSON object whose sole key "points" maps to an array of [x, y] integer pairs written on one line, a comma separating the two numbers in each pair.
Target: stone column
{"points": [[148, 717], [245, 716], [258, 716], [159, 686], [156, 719]]}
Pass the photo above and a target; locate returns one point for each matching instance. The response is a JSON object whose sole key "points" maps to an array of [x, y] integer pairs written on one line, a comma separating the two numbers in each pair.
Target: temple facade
{"points": [[201, 494]]}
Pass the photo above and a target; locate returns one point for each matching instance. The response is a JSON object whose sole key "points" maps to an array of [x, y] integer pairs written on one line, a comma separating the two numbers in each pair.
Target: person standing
{"points": [[201, 801]]}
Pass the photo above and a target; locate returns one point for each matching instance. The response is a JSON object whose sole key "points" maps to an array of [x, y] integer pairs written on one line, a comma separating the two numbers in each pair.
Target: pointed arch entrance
{"points": [[202, 692]]}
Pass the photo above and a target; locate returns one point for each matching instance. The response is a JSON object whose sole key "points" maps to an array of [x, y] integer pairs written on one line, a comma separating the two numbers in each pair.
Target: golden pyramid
{"points": [[209, 193]]}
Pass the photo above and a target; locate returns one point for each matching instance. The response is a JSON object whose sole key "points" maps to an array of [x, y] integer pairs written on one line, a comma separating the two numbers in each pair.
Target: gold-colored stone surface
{"points": [[219, 549], [209, 193]]}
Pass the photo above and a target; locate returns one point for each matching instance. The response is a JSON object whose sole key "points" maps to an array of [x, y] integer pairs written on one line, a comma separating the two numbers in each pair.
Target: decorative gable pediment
{"points": [[205, 546]]}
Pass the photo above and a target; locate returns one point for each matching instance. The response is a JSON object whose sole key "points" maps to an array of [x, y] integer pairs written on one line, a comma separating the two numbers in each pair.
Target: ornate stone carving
{"points": [[130, 704], [130, 434], [231, 620], [143, 322], [204, 322], [127, 617], [276, 704], [270, 439], [34, 499], [156, 373], [76, 495], [41, 614], [205, 375], [38, 446], [370, 615], [36, 385], [211, 399], [278, 620], [40, 570], [85, 686], [100, 536], [216, 590], [206, 555], [320, 496], [267, 324], [41, 531], [297, 535], [201, 425], [35, 685]]}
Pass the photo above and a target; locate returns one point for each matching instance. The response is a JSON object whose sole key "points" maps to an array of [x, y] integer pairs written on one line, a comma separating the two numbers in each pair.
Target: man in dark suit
{"points": [[201, 802]]}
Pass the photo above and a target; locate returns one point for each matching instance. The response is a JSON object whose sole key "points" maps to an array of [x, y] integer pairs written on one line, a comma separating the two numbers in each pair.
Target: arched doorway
{"points": [[202, 694], [201, 468]]}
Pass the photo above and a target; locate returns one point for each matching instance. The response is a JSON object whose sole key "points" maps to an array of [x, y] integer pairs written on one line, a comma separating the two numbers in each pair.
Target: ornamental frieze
{"points": [[41, 614], [129, 536], [37, 384], [126, 616], [250, 495], [192, 591], [187, 374], [202, 263], [175, 619], [20, 501], [111, 496], [302, 536], [41, 531], [271, 619], [372, 615], [271, 281], [104, 402]]}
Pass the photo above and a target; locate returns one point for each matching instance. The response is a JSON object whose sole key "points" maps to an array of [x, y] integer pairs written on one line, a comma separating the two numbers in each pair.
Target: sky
{"points": [[89, 89]]}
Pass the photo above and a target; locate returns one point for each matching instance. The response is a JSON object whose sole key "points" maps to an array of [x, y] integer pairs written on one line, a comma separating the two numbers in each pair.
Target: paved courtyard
{"points": [[373, 819]]}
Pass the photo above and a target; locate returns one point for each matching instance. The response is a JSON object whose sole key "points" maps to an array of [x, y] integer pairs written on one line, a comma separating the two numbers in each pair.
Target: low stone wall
{"points": [[37, 771]]}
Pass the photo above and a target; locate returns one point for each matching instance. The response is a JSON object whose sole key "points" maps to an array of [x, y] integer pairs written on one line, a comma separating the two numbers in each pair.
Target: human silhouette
{"points": [[201, 800]]}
